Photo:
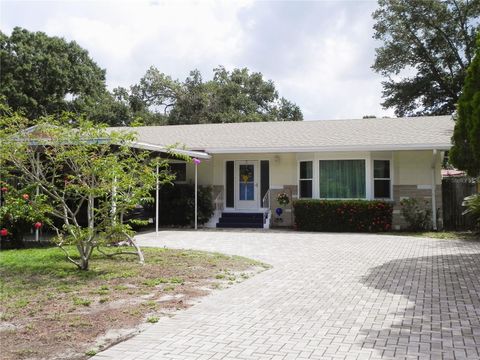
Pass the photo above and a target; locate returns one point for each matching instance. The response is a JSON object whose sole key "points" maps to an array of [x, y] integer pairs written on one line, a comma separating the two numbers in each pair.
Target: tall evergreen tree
{"points": [[465, 154]]}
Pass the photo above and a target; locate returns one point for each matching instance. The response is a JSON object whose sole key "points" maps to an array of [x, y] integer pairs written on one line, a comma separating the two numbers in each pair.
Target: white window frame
{"points": [[390, 162], [312, 179], [316, 157]]}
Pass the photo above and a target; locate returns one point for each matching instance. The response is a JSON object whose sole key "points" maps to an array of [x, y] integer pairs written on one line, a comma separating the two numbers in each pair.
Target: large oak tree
{"points": [[42, 75], [427, 47], [236, 96]]}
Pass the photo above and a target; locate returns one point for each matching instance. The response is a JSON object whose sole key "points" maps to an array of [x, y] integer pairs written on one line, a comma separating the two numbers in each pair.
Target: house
{"points": [[251, 163]]}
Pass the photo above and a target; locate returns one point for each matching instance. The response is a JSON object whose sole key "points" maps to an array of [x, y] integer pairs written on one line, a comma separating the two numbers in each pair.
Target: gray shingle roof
{"points": [[430, 132]]}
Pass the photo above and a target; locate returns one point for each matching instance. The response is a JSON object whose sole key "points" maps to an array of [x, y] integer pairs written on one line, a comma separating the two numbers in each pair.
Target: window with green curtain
{"points": [[342, 179]]}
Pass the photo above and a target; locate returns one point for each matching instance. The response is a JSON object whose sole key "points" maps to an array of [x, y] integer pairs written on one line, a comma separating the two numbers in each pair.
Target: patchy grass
{"points": [[444, 235], [49, 310]]}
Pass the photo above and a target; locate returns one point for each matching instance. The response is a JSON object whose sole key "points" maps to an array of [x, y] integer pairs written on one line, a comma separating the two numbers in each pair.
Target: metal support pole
{"points": [[157, 189], [196, 194]]}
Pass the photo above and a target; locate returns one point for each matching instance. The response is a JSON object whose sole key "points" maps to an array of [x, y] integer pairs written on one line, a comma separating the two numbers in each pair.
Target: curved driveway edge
{"points": [[328, 296]]}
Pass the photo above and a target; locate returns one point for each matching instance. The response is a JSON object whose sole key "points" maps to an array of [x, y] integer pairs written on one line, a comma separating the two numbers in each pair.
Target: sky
{"points": [[318, 53]]}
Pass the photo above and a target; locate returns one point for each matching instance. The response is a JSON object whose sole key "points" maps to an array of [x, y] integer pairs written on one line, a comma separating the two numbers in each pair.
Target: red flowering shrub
{"points": [[19, 212], [343, 215]]}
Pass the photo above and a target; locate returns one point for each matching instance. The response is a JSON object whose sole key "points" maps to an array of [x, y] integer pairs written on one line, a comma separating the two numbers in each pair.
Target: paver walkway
{"points": [[328, 296]]}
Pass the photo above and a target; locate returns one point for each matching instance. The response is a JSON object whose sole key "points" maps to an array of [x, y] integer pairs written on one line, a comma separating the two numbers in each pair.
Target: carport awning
{"points": [[163, 149]]}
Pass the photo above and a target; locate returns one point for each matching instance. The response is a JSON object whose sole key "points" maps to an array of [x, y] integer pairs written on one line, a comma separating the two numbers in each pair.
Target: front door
{"points": [[247, 185]]}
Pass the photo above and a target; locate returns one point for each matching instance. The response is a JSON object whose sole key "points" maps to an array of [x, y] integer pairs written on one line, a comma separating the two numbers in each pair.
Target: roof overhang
{"points": [[393, 147]]}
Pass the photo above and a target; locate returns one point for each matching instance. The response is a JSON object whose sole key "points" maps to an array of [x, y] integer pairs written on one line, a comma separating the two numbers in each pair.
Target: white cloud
{"points": [[127, 38]]}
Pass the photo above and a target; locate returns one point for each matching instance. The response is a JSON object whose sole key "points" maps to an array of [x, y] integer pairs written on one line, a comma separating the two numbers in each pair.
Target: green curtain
{"points": [[342, 179]]}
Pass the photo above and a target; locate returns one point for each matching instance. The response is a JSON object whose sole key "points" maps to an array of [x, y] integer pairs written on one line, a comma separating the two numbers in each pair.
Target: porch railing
{"points": [[218, 202], [266, 200]]}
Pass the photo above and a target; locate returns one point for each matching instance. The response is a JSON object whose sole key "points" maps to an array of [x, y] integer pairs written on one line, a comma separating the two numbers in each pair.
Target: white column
{"points": [[114, 199], [156, 201], [37, 192], [434, 190], [196, 193]]}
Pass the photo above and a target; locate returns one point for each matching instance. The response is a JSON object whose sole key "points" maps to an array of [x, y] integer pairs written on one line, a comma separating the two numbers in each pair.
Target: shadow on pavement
{"points": [[444, 320]]}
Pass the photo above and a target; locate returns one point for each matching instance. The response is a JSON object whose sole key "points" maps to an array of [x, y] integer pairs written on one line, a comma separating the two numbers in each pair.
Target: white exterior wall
{"points": [[282, 167], [407, 167], [414, 168]]}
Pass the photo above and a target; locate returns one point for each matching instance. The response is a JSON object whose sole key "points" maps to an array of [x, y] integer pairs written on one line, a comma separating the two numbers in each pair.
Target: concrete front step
{"points": [[241, 220], [240, 225]]}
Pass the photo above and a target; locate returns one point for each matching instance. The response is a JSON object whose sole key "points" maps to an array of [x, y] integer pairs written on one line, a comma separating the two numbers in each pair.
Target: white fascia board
{"points": [[147, 146], [329, 148]]}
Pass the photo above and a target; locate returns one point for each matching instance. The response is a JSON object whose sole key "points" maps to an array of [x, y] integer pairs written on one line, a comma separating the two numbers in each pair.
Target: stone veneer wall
{"points": [[286, 219], [413, 191]]}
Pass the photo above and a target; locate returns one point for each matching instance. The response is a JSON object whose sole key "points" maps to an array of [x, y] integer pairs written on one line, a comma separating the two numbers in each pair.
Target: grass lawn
{"points": [[444, 235], [50, 310]]}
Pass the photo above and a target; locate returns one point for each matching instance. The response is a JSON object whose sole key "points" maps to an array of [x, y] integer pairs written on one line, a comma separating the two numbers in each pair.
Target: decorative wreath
{"points": [[283, 199]]}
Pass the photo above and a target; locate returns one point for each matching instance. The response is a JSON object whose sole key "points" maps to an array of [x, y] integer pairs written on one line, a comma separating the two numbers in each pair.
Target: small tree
{"points": [[81, 169]]}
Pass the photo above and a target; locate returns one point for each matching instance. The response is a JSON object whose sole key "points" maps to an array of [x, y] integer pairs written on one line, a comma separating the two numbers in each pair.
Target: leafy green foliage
{"points": [[472, 203], [46, 75], [20, 210], [418, 217], [465, 153], [427, 47], [236, 96], [177, 204], [343, 215]]}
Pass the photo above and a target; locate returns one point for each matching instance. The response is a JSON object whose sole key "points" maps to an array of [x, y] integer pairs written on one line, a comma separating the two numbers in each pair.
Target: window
{"points": [[180, 171], [342, 179], [305, 179], [381, 179]]}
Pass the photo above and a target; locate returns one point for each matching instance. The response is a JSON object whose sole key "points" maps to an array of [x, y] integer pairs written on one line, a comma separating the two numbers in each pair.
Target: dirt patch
{"points": [[57, 313]]}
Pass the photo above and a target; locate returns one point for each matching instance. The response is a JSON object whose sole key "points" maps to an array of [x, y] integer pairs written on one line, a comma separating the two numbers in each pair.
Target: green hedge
{"points": [[177, 204], [343, 215]]}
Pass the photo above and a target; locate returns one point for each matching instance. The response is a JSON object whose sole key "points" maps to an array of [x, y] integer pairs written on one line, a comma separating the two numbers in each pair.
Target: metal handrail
{"points": [[219, 201], [266, 200]]}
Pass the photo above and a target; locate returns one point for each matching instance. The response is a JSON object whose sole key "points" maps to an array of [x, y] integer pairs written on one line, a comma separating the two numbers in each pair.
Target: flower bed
{"points": [[343, 215]]}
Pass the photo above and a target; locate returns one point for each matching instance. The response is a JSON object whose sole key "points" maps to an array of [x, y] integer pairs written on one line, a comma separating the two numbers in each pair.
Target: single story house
{"points": [[249, 164]]}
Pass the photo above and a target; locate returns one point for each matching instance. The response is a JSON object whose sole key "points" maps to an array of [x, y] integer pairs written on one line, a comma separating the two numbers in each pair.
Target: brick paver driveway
{"points": [[328, 296]]}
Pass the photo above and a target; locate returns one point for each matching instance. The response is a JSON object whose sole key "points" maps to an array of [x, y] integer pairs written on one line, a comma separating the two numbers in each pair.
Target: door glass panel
{"points": [[247, 185]]}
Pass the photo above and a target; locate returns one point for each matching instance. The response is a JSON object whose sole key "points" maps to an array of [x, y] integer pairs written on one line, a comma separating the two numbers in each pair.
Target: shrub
{"points": [[417, 217], [177, 204], [343, 215], [472, 203], [20, 212]]}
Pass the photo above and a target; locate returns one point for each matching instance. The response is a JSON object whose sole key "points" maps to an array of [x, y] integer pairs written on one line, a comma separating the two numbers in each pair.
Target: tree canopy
{"points": [[427, 47], [465, 153], [236, 96], [44, 75]]}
